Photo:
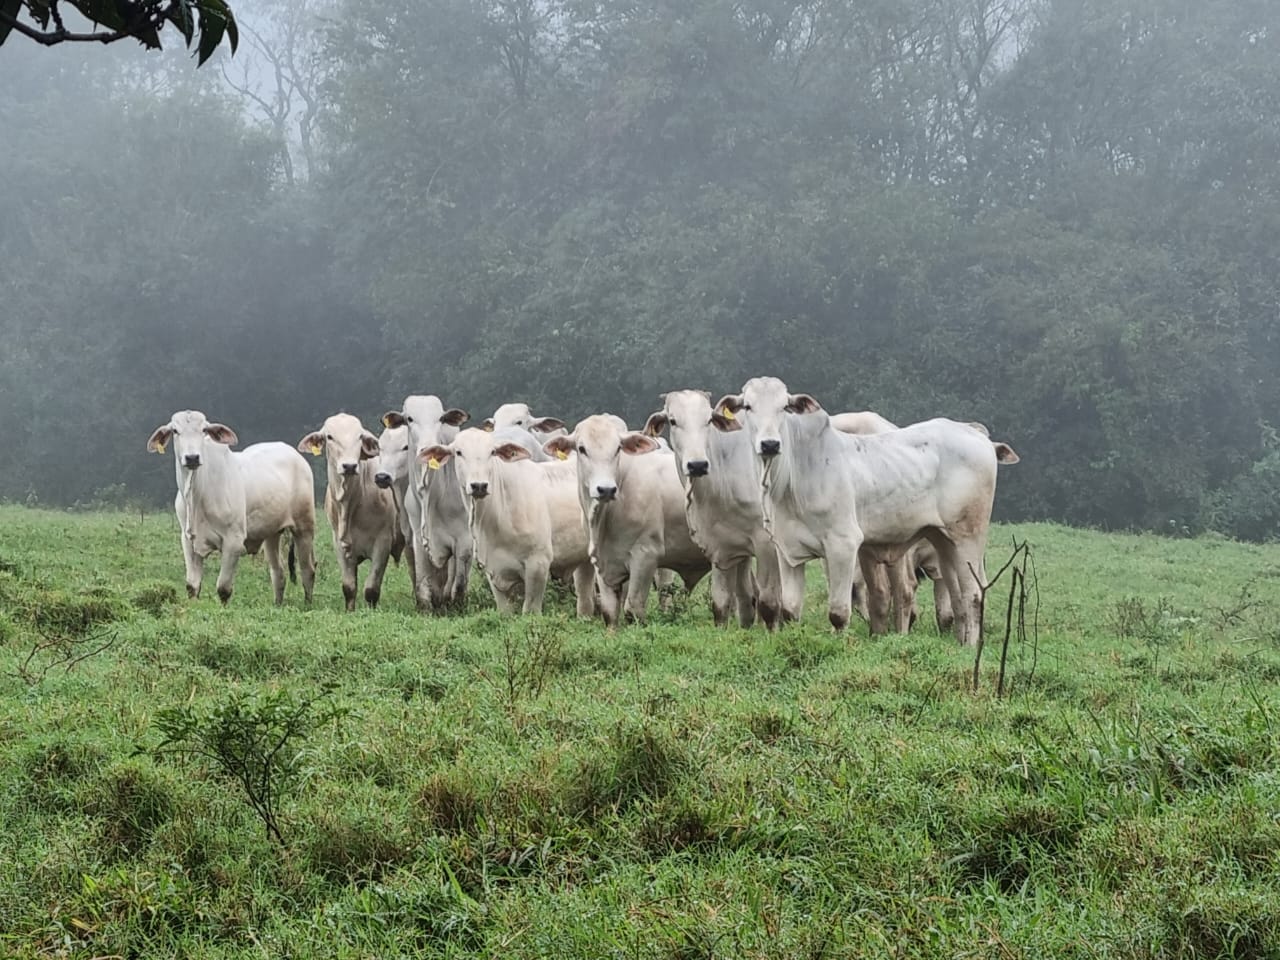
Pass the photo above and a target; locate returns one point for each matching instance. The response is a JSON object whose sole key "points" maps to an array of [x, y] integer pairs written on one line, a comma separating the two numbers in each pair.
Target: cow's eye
{"points": [[457, 453], [408, 419], [671, 421], [405, 447], [582, 449], [328, 436]]}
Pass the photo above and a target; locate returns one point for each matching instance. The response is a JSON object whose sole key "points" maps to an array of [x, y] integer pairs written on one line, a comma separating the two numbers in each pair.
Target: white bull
{"points": [[236, 501], [825, 492], [433, 504], [362, 514], [633, 507], [525, 517], [519, 415]]}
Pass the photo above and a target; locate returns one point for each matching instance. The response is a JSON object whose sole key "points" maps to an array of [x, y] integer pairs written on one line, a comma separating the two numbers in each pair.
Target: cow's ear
{"points": [[656, 423], [729, 405], [1005, 453], [435, 457], [635, 443], [369, 447], [510, 452], [221, 433], [454, 417], [546, 425], [312, 443], [393, 418], [156, 442], [487, 426], [560, 447], [725, 424], [980, 427], [802, 403]]}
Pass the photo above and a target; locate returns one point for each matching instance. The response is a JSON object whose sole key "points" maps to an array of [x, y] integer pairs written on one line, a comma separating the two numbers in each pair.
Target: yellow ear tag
{"points": [[727, 414], [316, 449], [159, 447], [433, 463], [386, 421], [561, 455]]}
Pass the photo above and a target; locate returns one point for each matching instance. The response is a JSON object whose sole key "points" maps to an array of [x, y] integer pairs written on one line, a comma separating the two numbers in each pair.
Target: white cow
{"points": [[889, 581], [825, 492], [362, 514], [437, 516], [722, 506], [392, 473], [525, 517], [519, 415], [236, 501], [633, 508]]}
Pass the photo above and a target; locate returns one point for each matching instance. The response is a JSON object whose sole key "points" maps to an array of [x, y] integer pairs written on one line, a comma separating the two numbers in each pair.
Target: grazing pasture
{"points": [[540, 788]]}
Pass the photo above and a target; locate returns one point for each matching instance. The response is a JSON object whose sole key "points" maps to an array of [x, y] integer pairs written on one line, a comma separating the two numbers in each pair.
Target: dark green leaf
{"points": [[10, 9]]}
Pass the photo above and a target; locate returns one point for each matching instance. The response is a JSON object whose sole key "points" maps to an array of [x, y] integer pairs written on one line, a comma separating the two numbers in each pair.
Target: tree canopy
{"points": [[1058, 217]]}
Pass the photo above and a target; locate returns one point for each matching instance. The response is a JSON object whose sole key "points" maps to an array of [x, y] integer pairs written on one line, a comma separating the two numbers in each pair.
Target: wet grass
{"points": [[544, 789]]}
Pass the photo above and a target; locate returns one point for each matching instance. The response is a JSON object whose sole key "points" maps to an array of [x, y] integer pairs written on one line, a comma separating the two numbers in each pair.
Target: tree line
{"points": [[1058, 217]]}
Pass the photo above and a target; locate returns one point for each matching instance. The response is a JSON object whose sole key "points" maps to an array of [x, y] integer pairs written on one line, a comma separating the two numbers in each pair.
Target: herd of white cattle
{"points": [[749, 490]]}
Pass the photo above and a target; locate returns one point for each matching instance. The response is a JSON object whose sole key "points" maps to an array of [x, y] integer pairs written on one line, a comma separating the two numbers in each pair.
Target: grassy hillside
{"points": [[543, 789]]}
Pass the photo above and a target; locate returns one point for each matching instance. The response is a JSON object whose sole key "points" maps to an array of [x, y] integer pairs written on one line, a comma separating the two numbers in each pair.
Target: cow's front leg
{"points": [[227, 572], [194, 564]]}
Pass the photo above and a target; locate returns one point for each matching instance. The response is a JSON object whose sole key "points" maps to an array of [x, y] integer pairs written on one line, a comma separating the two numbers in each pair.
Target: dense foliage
{"points": [[1059, 217]]}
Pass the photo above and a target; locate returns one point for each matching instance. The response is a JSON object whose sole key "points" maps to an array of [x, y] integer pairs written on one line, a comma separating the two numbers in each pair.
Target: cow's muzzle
{"points": [[383, 480], [770, 448], [191, 461], [479, 489], [605, 492], [696, 468], [349, 469]]}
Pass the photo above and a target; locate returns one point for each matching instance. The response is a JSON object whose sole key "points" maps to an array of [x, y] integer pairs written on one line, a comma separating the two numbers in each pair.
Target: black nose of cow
{"points": [[382, 479], [350, 469], [770, 448], [191, 460], [479, 489], [606, 493], [696, 468]]}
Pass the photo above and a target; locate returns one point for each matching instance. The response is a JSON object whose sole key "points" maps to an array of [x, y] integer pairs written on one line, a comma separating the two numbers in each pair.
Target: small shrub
{"points": [[255, 740]]}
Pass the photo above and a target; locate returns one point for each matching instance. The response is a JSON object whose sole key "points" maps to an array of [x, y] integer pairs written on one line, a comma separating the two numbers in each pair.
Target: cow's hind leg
{"points": [[875, 577], [746, 593], [304, 548], [902, 591], [377, 570], [272, 546]]}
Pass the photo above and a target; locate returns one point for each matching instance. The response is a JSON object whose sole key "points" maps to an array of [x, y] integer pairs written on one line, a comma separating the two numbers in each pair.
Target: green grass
{"points": [[544, 789]]}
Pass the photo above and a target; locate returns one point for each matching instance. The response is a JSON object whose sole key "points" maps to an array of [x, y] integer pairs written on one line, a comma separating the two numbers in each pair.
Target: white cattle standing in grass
{"points": [[889, 579], [392, 473], [433, 503], [525, 517], [519, 415], [362, 514], [825, 492], [236, 501], [722, 506], [633, 507]]}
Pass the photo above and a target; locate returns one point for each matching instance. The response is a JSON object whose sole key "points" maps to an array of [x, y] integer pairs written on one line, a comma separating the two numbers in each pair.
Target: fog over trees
{"points": [[1059, 217]]}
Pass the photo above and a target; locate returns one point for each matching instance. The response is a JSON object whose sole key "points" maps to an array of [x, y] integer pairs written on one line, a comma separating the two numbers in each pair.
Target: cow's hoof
{"points": [[192, 592], [371, 595], [838, 620], [224, 594]]}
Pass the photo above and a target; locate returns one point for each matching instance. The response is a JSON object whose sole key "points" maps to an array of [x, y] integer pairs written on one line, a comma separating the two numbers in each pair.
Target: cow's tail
{"points": [[293, 558]]}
